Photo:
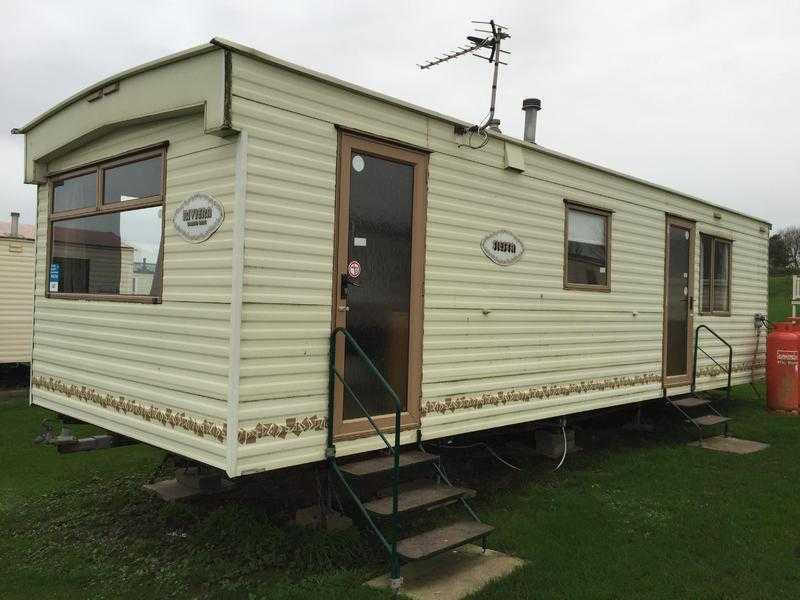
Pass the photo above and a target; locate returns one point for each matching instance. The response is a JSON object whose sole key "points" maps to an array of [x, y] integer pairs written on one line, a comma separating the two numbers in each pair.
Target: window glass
{"points": [[75, 192], [113, 253], [705, 272], [715, 277], [721, 276], [140, 179], [586, 248]]}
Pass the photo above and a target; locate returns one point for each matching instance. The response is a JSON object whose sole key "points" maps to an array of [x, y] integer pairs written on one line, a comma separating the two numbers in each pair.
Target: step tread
{"points": [[689, 402], [708, 420], [382, 464], [417, 498], [442, 539]]}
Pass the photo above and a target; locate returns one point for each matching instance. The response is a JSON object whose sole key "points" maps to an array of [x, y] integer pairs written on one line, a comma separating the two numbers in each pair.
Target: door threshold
{"points": [[357, 435]]}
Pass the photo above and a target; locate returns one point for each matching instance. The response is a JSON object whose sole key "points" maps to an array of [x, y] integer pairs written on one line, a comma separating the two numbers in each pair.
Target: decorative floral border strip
{"points": [[714, 370], [298, 426], [501, 398], [274, 430], [120, 404], [169, 417]]}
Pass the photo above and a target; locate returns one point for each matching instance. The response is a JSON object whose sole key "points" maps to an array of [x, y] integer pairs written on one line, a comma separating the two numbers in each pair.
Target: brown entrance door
{"points": [[378, 272], [678, 301]]}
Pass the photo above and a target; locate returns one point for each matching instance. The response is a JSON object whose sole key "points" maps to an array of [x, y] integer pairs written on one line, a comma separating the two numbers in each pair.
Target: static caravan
{"points": [[207, 220], [17, 254]]}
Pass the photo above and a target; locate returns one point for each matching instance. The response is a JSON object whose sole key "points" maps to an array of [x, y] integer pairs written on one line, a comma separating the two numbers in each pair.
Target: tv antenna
{"points": [[491, 43]]}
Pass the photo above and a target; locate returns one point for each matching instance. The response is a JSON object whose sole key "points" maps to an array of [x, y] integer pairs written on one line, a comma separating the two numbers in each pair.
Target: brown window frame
{"points": [[714, 239], [603, 212], [99, 168]]}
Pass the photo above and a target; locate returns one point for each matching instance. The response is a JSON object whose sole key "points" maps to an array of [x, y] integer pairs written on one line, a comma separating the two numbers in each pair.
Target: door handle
{"points": [[343, 308], [345, 284]]}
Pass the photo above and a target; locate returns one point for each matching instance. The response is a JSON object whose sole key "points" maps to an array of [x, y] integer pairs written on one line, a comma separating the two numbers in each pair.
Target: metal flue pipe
{"points": [[531, 107], [14, 224]]}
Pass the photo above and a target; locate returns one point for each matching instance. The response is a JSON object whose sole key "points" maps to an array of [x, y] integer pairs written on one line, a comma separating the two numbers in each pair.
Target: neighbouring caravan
{"points": [[205, 221], [17, 255]]}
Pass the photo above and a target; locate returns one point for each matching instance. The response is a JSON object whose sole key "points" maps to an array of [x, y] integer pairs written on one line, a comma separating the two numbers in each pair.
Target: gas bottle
{"points": [[783, 374]]}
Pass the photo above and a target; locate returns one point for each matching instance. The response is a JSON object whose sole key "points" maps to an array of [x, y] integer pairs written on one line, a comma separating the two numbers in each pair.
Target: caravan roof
{"points": [[217, 43]]}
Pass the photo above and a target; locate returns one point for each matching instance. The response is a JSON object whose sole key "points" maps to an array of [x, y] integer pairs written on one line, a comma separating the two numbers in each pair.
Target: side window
{"points": [[106, 229], [715, 275], [587, 239]]}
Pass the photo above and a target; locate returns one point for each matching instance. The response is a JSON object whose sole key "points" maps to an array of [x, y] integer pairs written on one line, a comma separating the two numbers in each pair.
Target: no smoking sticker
{"points": [[354, 269]]}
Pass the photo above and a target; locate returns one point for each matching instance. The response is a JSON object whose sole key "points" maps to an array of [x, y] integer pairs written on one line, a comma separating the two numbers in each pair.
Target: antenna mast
{"points": [[497, 33]]}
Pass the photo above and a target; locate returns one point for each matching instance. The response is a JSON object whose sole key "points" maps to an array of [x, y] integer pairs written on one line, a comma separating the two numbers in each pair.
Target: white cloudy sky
{"points": [[703, 97]]}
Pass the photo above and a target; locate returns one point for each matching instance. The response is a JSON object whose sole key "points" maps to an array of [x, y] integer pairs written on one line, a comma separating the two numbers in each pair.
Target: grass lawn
{"points": [[780, 296], [632, 516]]}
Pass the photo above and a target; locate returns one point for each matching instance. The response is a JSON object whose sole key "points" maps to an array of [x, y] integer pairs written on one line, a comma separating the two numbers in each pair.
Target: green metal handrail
{"points": [[697, 347], [330, 453]]}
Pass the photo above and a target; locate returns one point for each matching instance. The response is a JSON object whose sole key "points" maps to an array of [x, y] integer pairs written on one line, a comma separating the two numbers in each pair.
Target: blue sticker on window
{"points": [[55, 276]]}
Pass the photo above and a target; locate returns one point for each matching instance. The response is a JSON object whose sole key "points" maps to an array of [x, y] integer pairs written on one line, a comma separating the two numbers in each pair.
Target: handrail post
{"points": [[730, 369], [694, 364], [329, 450], [395, 493]]}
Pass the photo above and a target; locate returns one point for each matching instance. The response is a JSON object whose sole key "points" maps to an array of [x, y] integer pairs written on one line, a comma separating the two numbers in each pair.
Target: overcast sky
{"points": [[702, 97]]}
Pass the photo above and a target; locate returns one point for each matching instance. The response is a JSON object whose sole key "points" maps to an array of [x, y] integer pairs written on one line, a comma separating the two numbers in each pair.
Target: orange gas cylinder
{"points": [[783, 374]]}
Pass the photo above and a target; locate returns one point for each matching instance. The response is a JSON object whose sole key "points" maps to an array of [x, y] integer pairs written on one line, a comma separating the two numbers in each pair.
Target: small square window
{"points": [[586, 252]]}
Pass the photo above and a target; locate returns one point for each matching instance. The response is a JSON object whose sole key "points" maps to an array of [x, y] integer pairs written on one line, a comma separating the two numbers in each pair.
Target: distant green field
{"points": [[780, 293]]}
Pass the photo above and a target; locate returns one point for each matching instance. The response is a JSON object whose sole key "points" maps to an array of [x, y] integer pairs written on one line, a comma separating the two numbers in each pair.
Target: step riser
{"points": [[689, 402], [440, 540], [709, 420], [385, 464], [420, 497], [408, 513]]}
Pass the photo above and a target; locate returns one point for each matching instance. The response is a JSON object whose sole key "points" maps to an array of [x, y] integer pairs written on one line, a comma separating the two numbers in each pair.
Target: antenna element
{"points": [[492, 42]]}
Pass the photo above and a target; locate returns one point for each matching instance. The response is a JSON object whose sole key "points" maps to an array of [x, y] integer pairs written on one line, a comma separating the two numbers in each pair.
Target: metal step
{"points": [[442, 539], [383, 464], [419, 497], [709, 420], [689, 402]]}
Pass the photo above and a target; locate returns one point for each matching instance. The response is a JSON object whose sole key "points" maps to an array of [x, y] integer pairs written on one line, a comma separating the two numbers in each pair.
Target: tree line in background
{"points": [[784, 252]]}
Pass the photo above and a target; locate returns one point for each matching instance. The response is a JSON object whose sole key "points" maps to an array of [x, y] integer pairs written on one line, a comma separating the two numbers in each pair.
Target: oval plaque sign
{"points": [[502, 248], [198, 217]]}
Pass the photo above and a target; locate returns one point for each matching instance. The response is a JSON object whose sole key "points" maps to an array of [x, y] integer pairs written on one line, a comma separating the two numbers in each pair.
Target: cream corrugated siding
{"points": [[535, 333], [287, 278], [16, 299], [566, 336], [171, 356]]}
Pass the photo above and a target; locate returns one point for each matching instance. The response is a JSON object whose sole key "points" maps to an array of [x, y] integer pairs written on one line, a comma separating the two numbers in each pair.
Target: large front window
{"points": [[106, 230]]}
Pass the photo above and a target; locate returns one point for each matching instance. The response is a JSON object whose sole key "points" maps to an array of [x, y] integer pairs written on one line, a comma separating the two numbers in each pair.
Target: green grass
{"points": [[80, 526], [780, 295], [632, 516]]}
